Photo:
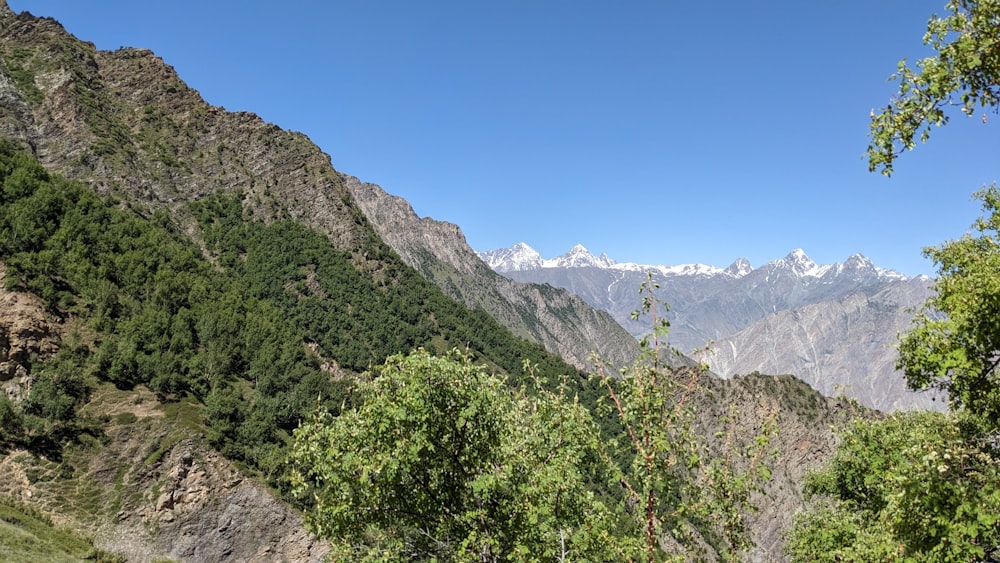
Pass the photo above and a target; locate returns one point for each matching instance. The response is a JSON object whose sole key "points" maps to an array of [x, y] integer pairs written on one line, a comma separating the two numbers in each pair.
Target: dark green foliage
{"points": [[957, 351], [11, 422], [356, 316], [167, 319], [238, 335]]}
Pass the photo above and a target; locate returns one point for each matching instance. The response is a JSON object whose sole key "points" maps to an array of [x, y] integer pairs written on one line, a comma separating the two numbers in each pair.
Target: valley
{"points": [[185, 288]]}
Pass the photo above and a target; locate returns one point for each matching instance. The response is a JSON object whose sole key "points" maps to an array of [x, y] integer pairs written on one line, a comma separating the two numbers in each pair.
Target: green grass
{"points": [[27, 535]]}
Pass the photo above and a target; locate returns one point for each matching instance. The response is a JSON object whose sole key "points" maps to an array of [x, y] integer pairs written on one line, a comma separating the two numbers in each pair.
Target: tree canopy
{"points": [[954, 344], [964, 73], [442, 461]]}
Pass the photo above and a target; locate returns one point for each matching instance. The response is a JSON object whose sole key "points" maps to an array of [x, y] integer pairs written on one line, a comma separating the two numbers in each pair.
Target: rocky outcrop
{"points": [[559, 320], [204, 510], [27, 333], [152, 492], [124, 122]]}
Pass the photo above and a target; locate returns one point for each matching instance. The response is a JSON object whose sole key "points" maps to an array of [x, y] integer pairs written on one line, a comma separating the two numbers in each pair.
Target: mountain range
{"points": [[245, 279], [833, 325]]}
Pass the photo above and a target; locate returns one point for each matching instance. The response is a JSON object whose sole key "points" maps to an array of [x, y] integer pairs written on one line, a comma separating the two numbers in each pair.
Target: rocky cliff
{"points": [[126, 123], [559, 320], [840, 346]]}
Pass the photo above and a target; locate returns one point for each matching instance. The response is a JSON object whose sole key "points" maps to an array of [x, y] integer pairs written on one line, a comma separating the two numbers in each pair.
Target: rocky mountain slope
{"points": [[561, 321], [834, 325], [125, 122], [169, 494], [844, 345]]}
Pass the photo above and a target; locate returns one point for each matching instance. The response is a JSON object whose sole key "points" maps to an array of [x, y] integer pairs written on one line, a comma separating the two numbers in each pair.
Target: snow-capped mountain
{"points": [[522, 257], [830, 324]]}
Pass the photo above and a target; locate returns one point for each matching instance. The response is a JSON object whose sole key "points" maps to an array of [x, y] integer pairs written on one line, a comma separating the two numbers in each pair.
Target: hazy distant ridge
{"points": [[833, 325]]}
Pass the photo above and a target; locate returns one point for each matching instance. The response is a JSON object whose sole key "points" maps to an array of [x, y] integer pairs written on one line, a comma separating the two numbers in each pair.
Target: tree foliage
{"points": [[910, 487], [681, 494], [965, 72], [441, 460], [954, 344]]}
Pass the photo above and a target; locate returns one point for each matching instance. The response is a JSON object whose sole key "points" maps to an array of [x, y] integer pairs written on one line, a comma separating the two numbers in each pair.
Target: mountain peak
{"points": [[523, 247], [521, 256], [518, 257], [739, 268], [798, 255], [859, 262], [799, 262], [580, 257]]}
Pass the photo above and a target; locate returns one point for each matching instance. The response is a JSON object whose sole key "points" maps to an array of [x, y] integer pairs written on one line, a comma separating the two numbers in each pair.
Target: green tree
{"points": [[954, 344], [910, 487], [11, 422], [440, 460], [681, 494], [926, 487], [965, 72]]}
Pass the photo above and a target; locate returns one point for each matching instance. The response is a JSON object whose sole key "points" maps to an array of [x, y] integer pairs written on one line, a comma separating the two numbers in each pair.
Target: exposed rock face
{"points": [[185, 502], [205, 511], [26, 330], [805, 440], [811, 342], [125, 122], [559, 320]]}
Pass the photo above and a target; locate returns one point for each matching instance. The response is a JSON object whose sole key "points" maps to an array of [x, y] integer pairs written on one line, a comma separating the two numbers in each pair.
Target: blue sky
{"points": [[654, 131]]}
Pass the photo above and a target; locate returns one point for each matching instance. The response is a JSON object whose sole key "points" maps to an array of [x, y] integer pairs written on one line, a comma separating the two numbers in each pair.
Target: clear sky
{"points": [[654, 131]]}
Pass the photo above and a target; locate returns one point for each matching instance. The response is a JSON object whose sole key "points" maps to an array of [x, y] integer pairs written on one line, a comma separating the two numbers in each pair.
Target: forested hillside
{"points": [[277, 306]]}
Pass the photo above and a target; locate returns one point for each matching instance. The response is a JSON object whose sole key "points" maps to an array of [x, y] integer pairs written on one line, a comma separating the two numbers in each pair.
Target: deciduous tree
{"points": [[440, 460], [964, 73]]}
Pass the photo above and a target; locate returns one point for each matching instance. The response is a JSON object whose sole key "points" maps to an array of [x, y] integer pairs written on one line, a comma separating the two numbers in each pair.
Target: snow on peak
{"points": [[858, 262], [859, 265], [518, 257], [689, 270], [523, 257], [739, 268], [579, 257], [798, 262]]}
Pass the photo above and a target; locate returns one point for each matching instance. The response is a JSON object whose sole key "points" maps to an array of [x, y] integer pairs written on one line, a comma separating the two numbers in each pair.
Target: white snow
{"points": [[521, 256]]}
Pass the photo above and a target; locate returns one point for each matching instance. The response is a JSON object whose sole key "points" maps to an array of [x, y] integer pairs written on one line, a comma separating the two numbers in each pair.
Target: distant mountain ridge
{"points": [[521, 257], [833, 325]]}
